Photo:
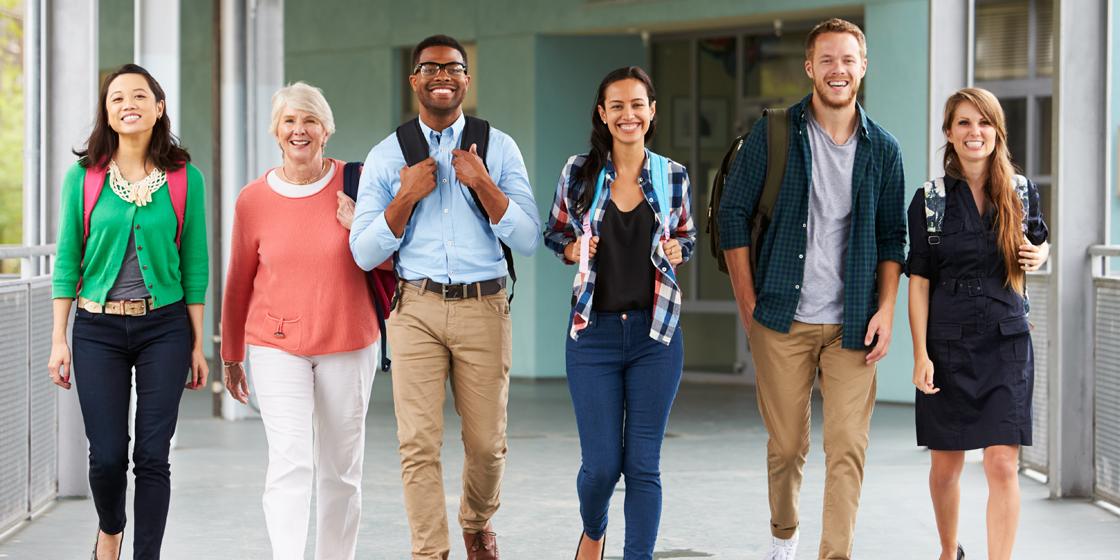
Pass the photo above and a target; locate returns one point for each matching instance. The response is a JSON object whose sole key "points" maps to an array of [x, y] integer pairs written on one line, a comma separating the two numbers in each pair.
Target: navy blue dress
{"points": [[978, 336]]}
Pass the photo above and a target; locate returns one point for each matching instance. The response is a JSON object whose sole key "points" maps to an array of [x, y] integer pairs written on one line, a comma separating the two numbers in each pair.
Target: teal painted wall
{"points": [[569, 69], [115, 37], [536, 71], [897, 98]]}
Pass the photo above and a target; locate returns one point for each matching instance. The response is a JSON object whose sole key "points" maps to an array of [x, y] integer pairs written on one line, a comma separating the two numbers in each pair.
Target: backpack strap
{"points": [[777, 154], [91, 191], [411, 140], [659, 176], [934, 197], [177, 188]]}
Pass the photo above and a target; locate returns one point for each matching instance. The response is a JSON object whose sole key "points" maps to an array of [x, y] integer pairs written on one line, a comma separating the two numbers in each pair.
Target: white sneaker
{"points": [[782, 549]]}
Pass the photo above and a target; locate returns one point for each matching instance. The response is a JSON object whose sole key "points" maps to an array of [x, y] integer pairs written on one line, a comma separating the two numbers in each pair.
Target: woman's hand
{"points": [[1032, 257], [236, 382], [200, 369], [59, 364], [571, 250], [345, 213], [672, 249], [923, 376]]}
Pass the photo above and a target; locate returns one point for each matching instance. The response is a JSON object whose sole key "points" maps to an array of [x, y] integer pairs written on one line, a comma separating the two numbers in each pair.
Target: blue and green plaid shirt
{"points": [[878, 230]]}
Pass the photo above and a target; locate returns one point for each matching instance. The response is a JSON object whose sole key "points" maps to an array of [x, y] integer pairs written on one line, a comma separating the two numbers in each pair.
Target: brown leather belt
{"points": [[460, 291], [129, 307]]}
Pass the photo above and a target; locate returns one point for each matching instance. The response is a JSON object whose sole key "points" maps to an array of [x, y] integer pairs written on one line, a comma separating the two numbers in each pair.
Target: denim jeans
{"points": [[623, 384], [106, 348]]}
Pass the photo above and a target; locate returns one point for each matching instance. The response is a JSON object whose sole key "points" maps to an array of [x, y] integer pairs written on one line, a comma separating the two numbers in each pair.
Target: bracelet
{"points": [[227, 363]]}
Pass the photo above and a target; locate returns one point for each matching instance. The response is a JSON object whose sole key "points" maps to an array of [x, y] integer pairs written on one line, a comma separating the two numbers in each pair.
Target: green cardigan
{"points": [[171, 274]]}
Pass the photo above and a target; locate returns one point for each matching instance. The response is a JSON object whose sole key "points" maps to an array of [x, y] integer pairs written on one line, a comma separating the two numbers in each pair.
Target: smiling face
{"points": [[836, 68], [301, 136], [972, 135], [130, 105], [627, 111], [441, 93]]}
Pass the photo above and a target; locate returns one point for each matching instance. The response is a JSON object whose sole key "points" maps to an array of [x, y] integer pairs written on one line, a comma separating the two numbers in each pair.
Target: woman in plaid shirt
{"points": [[622, 213]]}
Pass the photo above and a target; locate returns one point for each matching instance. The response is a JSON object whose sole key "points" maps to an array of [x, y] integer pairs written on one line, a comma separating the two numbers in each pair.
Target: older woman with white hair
{"points": [[297, 300]]}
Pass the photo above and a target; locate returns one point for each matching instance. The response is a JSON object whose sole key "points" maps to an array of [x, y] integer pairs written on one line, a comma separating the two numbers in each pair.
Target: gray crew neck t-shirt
{"points": [[830, 218], [130, 282]]}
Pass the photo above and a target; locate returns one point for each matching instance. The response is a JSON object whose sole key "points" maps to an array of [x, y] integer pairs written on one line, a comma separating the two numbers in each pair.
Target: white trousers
{"points": [[314, 410]]}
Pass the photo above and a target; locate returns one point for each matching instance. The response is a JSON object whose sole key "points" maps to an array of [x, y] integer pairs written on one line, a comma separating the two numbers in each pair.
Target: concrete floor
{"points": [[713, 476]]}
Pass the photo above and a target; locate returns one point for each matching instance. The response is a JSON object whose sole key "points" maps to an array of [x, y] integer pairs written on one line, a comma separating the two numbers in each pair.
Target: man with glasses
{"points": [[449, 219]]}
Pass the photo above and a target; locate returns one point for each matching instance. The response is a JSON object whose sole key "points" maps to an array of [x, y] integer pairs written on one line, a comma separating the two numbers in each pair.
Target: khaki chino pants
{"points": [[786, 366], [468, 342]]}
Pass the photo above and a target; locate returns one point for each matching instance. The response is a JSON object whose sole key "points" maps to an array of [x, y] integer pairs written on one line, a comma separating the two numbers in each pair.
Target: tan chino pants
{"points": [[786, 366], [469, 343]]}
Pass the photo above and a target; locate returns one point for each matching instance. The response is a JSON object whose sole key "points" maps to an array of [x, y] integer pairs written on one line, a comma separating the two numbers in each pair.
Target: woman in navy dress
{"points": [[973, 236]]}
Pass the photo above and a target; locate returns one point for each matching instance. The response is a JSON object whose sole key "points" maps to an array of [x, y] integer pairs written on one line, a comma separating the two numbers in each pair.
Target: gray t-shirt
{"points": [[130, 282], [830, 218]]}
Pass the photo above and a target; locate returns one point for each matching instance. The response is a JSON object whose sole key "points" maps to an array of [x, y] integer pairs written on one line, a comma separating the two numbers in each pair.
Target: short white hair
{"points": [[301, 96]]}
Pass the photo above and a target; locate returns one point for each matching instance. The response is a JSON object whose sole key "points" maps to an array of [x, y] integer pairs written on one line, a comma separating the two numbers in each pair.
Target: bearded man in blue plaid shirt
{"points": [[822, 303]]}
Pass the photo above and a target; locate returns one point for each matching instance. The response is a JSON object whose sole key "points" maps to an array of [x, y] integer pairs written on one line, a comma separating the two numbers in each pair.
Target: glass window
{"points": [[671, 73], [1044, 139], [1002, 40], [715, 348], [1044, 48], [1015, 110]]}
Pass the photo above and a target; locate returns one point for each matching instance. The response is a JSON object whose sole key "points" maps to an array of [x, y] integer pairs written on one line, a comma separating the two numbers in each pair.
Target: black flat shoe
{"points": [[602, 551], [960, 552], [97, 538]]}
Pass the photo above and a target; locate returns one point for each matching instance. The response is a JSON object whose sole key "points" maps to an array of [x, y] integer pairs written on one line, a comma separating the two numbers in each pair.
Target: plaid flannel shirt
{"points": [[564, 227], [878, 229]]}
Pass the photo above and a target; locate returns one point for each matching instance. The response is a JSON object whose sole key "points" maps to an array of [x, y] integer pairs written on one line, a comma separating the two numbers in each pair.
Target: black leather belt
{"points": [[460, 291]]}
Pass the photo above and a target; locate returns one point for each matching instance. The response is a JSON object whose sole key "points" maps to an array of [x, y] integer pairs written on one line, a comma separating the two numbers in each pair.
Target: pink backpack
{"points": [[95, 181]]}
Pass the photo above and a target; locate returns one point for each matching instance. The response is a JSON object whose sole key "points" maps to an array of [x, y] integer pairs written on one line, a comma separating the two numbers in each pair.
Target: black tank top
{"points": [[624, 272]]}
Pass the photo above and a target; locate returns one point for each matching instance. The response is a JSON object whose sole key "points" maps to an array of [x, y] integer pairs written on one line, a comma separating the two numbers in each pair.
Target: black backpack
{"points": [[777, 152], [477, 131]]}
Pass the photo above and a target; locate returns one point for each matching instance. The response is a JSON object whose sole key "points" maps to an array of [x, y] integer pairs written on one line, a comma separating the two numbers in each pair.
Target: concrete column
{"points": [[950, 59], [265, 75], [234, 147], [1080, 90], [157, 49], [69, 82]]}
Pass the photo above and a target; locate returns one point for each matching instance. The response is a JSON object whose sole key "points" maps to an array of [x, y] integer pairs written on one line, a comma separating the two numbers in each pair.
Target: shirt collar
{"points": [[612, 172], [456, 128], [802, 108]]}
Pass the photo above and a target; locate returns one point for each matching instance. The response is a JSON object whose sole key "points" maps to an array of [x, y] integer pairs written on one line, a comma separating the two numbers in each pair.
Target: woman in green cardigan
{"points": [[132, 251]]}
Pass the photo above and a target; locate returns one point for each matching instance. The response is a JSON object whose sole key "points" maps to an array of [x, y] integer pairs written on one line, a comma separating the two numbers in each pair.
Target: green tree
{"points": [[11, 121]]}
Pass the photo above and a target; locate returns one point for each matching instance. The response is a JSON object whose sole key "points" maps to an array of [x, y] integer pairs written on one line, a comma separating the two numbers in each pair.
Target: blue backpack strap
{"points": [[935, 208], [659, 175]]}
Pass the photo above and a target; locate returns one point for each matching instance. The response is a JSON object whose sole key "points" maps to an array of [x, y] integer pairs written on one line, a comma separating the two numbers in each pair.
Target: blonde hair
{"points": [[1001, 177], [301, 97], [835, 25]]}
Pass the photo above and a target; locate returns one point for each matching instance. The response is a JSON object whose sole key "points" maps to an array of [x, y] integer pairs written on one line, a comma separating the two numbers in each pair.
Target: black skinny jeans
{"points": [[106, 348]]}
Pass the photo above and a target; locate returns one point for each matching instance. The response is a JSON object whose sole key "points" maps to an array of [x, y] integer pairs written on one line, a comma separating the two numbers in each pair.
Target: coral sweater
{"points": [[292, 283]]}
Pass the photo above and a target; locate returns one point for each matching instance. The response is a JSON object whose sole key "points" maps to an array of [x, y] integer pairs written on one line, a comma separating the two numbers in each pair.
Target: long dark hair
{"points": [[164, 149], [601, 140], [1001, 178]]}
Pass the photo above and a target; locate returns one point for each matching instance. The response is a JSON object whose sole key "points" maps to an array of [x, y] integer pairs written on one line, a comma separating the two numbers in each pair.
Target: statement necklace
{"points": [[140, 192]]}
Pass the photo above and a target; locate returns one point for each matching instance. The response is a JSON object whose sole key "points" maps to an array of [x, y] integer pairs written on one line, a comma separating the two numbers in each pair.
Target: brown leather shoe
{"points": [[482, 545]]}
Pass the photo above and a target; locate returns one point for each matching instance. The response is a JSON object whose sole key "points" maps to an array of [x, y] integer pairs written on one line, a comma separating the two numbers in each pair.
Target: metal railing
{"points": [[1106, 366], [1037, 457], [28, 403]]}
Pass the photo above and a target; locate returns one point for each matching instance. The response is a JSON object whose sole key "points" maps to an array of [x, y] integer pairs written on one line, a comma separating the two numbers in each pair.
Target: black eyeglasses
{"points": [[430, 69]]}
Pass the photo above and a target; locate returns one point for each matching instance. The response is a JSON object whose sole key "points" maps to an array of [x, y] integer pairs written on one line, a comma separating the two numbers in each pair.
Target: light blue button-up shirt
{"points": [[447, 239]]}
